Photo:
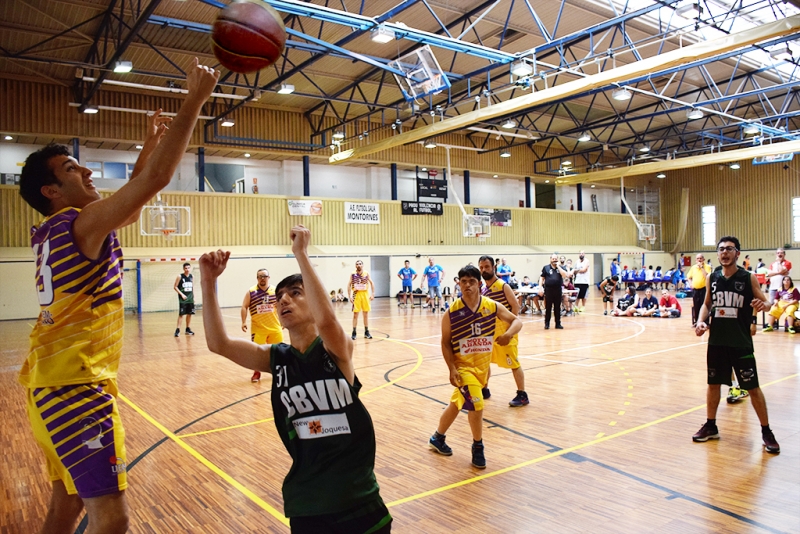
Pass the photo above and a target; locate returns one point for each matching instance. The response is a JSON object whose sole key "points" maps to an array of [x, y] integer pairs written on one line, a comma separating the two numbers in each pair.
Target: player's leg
{"points": [[437, 440], [260, 337], [356, 310], [476, 427], [718, 368], [365, 315], [189, 319], [180, 320], [747, 373], [108, 514], [63, 512]]}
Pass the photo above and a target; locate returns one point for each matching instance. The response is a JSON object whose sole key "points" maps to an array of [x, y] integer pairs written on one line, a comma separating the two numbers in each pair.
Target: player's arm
{"points": [[515, 325], [245, 310], [241, 351], [339, 344], [511, 298], [175, 287], [413, 275], [705, 309], [102, 216], [760, 302], [447, 352], [372, 288]]}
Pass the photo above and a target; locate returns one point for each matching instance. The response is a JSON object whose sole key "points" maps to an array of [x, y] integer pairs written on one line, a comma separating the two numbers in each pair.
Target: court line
{"points": [[587, 365], [558, 453], [250, 423], [206, 462]]}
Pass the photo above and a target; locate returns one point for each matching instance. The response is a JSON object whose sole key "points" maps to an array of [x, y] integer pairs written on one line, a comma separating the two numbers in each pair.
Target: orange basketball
{"points": [[248, 36]]}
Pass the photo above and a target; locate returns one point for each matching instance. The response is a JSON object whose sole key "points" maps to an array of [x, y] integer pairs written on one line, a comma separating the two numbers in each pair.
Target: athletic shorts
{"points": [[185, 308], [372, 517], [267, 337], [608, 299], [720, 360], [434, 291], [406, 289], [361, 302], [79, 429], [470, 395], [582, 289], [506, 357], [781, 307]]}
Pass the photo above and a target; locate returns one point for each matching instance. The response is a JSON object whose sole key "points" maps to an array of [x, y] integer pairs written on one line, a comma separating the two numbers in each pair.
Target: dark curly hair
{"points": [[37, 173]]}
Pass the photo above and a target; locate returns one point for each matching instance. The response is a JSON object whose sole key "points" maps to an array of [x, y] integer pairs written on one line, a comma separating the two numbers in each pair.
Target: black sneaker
{"points": [[367, 334], [520, 400], [547, 327], [478, 460], [486, 393], [769, 442], [708, 431], [177, 332], [353, 337], [189, 332], [440, 446], [559, 327]]}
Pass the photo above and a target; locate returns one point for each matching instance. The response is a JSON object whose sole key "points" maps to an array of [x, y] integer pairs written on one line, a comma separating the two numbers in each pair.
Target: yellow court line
{"points": [[558, 453], [387, 384], [206, 462]]}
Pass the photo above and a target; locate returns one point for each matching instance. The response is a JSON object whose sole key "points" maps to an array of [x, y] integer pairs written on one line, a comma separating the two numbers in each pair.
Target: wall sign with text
{"points": [[362, 213], [421, 208]]}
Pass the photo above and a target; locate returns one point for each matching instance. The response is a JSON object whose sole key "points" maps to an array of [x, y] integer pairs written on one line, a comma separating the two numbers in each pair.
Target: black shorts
{"points": [[406, 289], [608, 298], [720, 360], [582, 289], [371, 517], [186, 308]]}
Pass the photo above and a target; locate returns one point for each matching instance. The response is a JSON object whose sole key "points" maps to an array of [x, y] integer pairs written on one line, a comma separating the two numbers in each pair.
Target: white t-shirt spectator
{"points": [[776, 282], [582, 278]]}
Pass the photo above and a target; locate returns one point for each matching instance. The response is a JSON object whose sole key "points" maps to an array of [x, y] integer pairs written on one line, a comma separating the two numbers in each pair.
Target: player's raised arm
{"points": [[246, 353], [515, 325], [333, 336], [102, 216]]}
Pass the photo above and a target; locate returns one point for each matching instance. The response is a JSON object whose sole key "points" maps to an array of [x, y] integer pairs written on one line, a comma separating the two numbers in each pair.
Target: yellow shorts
{"points": [[469, 396], [505, 357], [264, 337], [79, 429], [780, 308], [361, 302]]}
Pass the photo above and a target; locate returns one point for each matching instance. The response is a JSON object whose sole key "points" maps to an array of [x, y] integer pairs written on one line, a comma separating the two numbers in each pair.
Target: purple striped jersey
{"points": [[472, 336], [77, 338], [496, 293]]}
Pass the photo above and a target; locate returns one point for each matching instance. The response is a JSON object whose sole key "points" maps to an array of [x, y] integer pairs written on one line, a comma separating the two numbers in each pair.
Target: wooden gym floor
{"points": [[604, 446]]}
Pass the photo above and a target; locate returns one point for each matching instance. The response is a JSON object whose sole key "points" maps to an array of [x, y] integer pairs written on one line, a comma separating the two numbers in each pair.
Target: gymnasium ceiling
{"points": [[343, 83]]}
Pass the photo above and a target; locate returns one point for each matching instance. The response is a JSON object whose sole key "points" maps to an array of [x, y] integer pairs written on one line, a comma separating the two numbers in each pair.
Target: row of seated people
{"points": [[649, 277], [632, 305]]}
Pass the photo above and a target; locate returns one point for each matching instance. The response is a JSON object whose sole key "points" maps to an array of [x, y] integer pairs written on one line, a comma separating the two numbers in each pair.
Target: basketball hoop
{"points": [[481, 237], [168, 233]]}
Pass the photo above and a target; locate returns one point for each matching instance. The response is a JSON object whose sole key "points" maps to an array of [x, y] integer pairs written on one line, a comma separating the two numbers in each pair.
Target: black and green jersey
{"points": [[186, 285], [326, 430], [731, 310]]}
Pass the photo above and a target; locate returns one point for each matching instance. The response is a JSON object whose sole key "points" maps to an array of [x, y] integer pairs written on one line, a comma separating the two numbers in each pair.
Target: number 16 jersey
{"points": [[472, 336]]}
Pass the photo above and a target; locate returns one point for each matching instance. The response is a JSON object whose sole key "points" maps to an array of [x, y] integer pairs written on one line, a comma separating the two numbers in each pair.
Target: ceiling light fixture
{"points": [[584, 137], [781, 52], [645, 149], [547, 181], [509, 124], [424, 169], [735, 166], [689, 11], [593, 186], [382, 34], [338, 135], [694, 114], [227, 123], [521, 68], [8, 138], [286, 89], [505, 154], [247, 154], [566, 163], [752, 129], [139, 147], [621, 94], [494, 176], [661, 175], [123, 66], [90, 110], [430, 144]]}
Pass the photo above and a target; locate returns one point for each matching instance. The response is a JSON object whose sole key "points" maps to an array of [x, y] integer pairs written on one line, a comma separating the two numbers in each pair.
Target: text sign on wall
{"points": [[304, 207], [360, 213], [421, 208]]}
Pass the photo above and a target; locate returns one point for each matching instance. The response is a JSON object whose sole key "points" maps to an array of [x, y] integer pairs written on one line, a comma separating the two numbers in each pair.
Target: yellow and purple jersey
{"points": [[472, 336], [263, 310], [496, 293], [77, 338], [360, 281]]}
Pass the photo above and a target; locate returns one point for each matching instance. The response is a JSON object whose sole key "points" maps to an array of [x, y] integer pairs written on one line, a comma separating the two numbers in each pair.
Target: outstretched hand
{"points": [[201, 80], [212, 264], [301, 237], [156, 127]]}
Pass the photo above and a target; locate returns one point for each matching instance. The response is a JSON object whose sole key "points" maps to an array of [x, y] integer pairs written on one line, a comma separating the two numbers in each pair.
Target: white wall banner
{"points": [[305, 207], [360, 213]]}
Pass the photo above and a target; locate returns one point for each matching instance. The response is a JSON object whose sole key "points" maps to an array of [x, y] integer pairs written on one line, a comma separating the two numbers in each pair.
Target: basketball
{"points": [[248, 36]]}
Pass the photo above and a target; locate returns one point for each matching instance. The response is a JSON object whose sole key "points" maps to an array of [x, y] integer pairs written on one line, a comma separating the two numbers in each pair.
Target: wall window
{"points": [[796, 219], [96, 168], [708, 215]]}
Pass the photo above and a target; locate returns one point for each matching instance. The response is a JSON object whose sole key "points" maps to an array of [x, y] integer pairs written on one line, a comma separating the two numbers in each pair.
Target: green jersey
{"points": [[326, 430], [731, 309], [186, 285]]}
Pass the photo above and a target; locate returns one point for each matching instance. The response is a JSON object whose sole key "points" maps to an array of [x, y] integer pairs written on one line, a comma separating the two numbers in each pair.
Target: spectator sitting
{"points": [[568, 298], [624, 273], [640, 278], [630, 278], [456, 288], [512, 280], [786, 303], [668, 306], [667, 278], [333, 295], [537, 300], [649, 276], [678, 279], [629, 300], [340, 296], [648, 306]]}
